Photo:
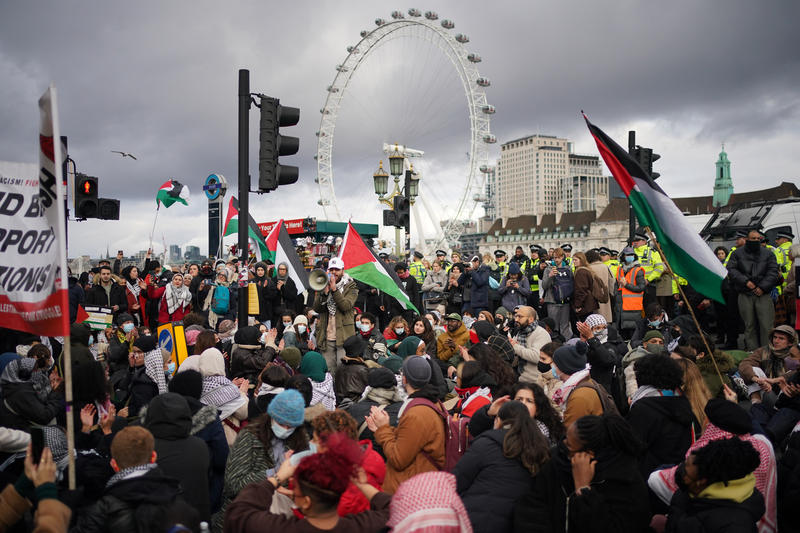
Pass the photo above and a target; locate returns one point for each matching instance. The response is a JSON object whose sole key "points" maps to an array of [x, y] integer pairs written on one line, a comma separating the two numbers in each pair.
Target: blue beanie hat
{"points": [[513, 268], [287, 408]]}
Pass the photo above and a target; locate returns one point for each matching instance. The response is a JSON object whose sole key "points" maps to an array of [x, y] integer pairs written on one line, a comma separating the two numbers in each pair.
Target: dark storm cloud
{"points": [[158, 79]]}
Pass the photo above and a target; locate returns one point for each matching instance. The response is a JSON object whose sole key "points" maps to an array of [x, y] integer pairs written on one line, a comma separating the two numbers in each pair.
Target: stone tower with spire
{"points": [[723, 186]]}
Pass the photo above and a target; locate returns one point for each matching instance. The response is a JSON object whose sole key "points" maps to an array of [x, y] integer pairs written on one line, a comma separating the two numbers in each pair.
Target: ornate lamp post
{"points": [[410, 191]]}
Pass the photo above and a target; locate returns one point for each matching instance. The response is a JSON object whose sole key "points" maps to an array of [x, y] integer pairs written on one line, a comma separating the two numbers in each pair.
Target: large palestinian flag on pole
{"points": [[172, 191], [253, 231], [362, 265], [687, 254], [280, 249]]}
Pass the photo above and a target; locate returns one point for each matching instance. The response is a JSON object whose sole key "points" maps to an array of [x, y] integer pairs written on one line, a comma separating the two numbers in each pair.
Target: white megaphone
{"points": [[317, 279]]}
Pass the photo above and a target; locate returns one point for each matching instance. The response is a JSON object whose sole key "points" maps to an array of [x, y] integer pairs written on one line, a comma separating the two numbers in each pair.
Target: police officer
{"points": [[502, 265], [417, 269], [568, 255], [532, 269], [741, 236], [441, 256], [783, 241], [653, 266], [609, 259]]}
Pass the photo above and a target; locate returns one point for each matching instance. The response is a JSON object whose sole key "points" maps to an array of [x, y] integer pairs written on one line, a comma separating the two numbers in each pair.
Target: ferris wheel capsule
{"points": [[431, 15], [342, 68], [397, 14], [352, 50], [474, 58], [316, 156], [448, 24], [380, 22], [488, 109], [413, 12], [462, 38], [332, 89], [364, 33], [483, 82], [489, 139], [485, 169]]}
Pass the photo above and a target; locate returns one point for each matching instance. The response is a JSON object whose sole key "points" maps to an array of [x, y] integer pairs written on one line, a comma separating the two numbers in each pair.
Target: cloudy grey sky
{"points": [[158, 79]]}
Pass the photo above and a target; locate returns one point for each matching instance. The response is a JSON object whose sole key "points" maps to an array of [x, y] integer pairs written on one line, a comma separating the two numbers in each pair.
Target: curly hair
{"points": [[335, 422], [323, 477], [494, 365], [725, 459], [545, 412], [658, 371]]}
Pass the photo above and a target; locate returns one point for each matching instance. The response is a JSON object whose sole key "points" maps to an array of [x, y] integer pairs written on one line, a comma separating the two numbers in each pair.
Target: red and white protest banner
{"points": [[33, 258]]}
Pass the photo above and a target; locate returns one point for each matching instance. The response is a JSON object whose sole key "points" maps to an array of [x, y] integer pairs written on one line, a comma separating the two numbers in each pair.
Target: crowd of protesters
{"points": [[553, 391]]}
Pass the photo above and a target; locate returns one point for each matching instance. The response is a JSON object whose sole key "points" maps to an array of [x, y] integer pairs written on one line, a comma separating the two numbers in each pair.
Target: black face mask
{"points": [[543, 368], [752, 246]]}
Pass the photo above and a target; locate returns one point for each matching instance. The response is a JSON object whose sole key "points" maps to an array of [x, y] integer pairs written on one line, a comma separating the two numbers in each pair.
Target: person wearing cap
{"points": [[653, 343], [783, 242], [533, 268], [416, 269], [447, 344], [335, 304], [579, 395], [441, 256], [651, 262], [727, 420], [609, 259], [478, 275], [567, 254], [558, 285], [741, 238], [631, 284], [514, 288], [417, 444], [753, 272], [502, 264], [765, 371]]}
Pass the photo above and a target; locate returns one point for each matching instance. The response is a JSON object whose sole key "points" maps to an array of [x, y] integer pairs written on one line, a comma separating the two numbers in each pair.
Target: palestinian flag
{"points": [[253, 232], [281, 250], [362, 265], [172, 191], [688, 255]]}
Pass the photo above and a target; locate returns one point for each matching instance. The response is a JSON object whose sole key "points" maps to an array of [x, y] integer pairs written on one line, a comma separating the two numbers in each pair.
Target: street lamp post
{"points": [[409, 191]]}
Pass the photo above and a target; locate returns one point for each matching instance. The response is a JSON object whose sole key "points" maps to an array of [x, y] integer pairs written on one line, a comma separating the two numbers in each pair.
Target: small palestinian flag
{"points": [[688, 255], [253, 231], [282, 250], [172, 191], [362, 265]]}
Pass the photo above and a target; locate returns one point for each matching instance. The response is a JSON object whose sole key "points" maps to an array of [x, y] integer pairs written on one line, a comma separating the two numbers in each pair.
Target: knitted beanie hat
{"points": [[652, 334], [381, 378], [571, 359], [417, 371], [728, 416], [292, 356], [287, 408], [596, 320], [146, 343]]}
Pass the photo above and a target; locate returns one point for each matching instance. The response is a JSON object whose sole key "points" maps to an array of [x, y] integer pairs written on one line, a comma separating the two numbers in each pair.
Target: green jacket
{"points": [[345, 324]]}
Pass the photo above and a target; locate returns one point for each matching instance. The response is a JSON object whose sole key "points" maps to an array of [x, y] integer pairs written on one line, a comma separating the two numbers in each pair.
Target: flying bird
{"points": [[124, 154]]}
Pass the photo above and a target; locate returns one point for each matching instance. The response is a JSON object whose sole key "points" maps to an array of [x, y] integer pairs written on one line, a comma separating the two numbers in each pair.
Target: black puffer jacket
{"points": [[21, 405], [249, 357], [760, 268], [696, 515], [140, 389], [490, 483], [350, 380], [151, 502], [617, 502], [664, 424], [180, 455]]}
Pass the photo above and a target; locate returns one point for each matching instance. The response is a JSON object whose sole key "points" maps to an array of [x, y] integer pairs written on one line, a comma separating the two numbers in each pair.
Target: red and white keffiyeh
{"points": [[428, 503]]}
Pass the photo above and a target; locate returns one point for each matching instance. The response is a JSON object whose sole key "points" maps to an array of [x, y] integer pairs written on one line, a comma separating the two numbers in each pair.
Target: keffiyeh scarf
{"points": [[331, 303], [177, 297], [560, 396], [154, 368]]}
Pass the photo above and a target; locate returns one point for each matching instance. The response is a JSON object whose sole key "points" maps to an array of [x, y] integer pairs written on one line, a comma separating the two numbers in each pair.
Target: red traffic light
{"points": [[87, 187]]}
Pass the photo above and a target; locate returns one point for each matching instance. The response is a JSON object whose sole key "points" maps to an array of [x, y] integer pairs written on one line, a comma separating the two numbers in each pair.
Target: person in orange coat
{"points": [[417, 444]]}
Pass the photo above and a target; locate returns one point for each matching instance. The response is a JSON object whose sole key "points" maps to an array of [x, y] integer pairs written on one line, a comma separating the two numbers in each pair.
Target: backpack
{"points": [[607, 401], [221, 300], [456, 434], [563, 285], [599, 289]]}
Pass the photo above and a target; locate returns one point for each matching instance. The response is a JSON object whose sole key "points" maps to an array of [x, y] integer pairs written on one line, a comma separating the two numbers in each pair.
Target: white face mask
{"points": [[399, 331], [263, 338], [364, 327], [287, 325], [281, 432], [127, 327], [301, 328]]}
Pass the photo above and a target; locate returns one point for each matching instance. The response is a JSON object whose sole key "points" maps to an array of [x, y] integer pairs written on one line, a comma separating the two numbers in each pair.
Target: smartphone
{"points": [[37, 439]]}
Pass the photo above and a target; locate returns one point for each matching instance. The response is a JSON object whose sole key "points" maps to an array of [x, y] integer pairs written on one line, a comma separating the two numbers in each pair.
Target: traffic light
{"points": [[86, 203], [402, 211], [272, 144], [645, 157], [389, 218], [108, 209]]}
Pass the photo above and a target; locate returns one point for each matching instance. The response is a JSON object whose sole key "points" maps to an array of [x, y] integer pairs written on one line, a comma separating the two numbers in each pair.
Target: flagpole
{"points": [[158, 206], [686, 301]]}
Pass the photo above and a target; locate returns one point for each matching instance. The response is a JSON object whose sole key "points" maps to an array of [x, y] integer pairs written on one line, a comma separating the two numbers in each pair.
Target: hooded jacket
{"points": [[728, 511], [459, 336], [150, 502], [26, 396], [665, 426], [248, 356], [490, 483], [180, 455]]}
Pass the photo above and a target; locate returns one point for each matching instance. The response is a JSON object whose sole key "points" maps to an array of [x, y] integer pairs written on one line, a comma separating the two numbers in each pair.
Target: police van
{"points": [[769, 217]]}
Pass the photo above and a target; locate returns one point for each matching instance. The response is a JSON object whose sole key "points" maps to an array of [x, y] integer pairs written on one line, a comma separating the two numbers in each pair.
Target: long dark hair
{"points": [[494, 365], [545, 412], [427, 335], [523, 440], [600, 433]]}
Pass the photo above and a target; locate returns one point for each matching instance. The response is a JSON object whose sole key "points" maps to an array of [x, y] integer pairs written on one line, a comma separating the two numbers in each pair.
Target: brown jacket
{"points": [[51, 514], [459, 336], [582, 401], [418, 429], [604, 273], [582, 296], [761, 358], [345, 324]]}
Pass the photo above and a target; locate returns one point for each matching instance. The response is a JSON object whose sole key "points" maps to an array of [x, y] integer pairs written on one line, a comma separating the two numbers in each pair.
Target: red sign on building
{"points": [[293, 227]]}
